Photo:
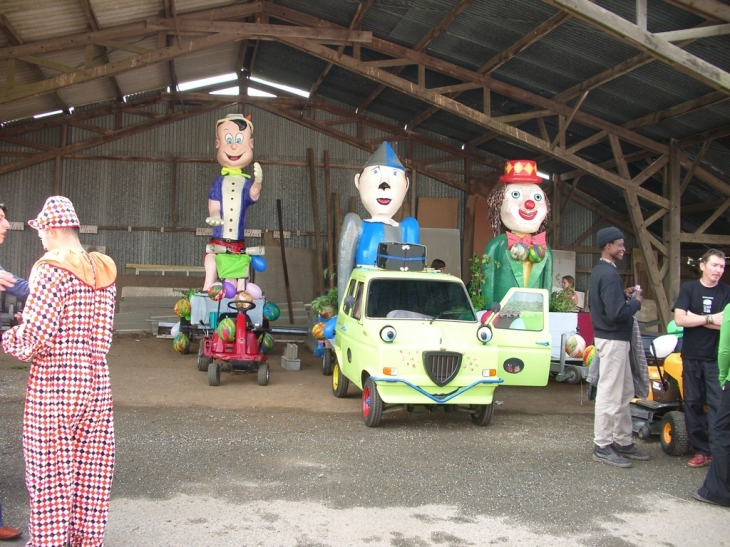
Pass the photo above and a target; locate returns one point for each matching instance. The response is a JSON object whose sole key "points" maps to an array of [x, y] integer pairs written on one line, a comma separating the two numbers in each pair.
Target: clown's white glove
{"points": [[214, 221], [257, 174]]}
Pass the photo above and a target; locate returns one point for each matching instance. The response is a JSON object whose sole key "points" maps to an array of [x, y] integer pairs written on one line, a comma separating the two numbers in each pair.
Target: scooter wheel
{"points": [[644, 433]]}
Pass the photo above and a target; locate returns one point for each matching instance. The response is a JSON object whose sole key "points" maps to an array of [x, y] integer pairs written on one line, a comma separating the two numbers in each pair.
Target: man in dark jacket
{"points": [[612, 314]]}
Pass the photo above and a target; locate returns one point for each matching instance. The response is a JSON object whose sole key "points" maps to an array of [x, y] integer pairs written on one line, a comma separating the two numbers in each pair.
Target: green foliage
{"points": [[560, 301], [328, 299], [476, 281]]}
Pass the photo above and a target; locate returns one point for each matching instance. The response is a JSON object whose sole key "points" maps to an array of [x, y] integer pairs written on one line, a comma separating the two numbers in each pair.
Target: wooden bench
{"points": [[162, 269]]}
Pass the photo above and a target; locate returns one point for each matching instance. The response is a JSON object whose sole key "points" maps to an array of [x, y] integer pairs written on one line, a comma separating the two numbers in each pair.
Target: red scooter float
{"points": [[243, 354]]}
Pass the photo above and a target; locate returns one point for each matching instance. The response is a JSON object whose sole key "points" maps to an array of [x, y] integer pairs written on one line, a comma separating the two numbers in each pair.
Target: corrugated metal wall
{"points": [[138, 193]]}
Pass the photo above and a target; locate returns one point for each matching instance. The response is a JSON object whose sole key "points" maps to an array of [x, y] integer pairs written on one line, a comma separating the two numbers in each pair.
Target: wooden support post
{"points": [[336, 231], [315, 217], [330, 235], [556, 214], [173, 192], [672, 222], [283, 262], [58, 168]]}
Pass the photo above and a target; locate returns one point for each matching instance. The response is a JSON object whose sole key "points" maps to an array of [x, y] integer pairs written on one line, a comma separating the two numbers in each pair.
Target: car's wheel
{"points": [[482, 414], [574, 375], [328, 360], [263, 375], [340, 383], [372, 404], [203, 360], [644, 432], [673, 434], [214, 374]]}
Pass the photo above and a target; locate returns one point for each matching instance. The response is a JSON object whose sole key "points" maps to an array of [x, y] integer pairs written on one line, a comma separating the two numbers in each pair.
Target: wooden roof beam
{"points": [[422, 44], [710, 9], [474, 116], [501, 58], [15, 39], [620, 28], [360, 11]]}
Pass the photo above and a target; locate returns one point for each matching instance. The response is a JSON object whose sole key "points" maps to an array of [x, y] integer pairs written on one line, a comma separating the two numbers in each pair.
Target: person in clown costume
{"points": [[520, 257], [382, 185], [230, 195]]}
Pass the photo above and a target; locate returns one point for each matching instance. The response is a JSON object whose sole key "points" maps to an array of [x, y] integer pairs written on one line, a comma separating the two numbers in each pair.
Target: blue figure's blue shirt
{"points": [[373, 233]]}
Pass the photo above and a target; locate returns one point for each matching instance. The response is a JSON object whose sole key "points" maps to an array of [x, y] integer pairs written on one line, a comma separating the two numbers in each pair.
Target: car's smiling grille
{"points": [[441, 366]]}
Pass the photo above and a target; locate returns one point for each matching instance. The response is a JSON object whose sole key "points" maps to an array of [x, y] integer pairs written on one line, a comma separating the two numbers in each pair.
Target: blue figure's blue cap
{"points": [[384, 155]]}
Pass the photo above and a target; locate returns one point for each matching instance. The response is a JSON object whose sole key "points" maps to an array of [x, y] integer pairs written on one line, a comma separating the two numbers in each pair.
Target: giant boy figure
{"points": [[520, 257], [230, 195], [382, 185]]}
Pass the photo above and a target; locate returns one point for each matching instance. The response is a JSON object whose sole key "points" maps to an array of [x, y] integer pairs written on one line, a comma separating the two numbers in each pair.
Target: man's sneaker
{"points": [[699, 460], [630, 451], [607, 455]]}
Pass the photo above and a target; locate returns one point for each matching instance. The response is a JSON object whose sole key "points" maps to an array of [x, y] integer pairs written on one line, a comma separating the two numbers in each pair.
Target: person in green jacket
{"points": [[519, 257], [716, 488]]}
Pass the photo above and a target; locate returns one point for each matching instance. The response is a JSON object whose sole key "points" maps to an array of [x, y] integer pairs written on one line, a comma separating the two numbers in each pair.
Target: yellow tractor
{"points": [[662, 412]]}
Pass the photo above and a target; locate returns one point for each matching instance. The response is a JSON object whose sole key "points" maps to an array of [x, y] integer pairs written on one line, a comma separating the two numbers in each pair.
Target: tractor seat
{"points": [[662, 346]]}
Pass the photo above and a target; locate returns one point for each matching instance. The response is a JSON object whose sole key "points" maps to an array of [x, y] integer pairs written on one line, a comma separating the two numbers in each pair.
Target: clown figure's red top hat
{"points": [[516, 171]]}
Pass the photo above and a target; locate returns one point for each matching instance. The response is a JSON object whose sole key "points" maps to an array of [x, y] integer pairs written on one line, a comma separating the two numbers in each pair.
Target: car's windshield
{"points": [[418, 299]]}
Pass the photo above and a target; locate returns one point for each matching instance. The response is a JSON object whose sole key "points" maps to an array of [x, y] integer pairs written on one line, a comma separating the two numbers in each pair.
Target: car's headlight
{"points": [[387, 334], [484, 334]]}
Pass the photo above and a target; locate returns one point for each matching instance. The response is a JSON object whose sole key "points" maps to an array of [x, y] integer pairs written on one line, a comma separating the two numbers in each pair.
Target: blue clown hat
{"points": [[384, 155]]}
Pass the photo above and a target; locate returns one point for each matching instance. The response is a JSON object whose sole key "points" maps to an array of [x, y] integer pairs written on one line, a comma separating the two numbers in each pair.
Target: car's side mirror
{"points": [[349, 303]]}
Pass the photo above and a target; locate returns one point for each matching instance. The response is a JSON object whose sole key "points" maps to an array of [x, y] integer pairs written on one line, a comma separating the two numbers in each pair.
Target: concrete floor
{"points": [[288, 464]]}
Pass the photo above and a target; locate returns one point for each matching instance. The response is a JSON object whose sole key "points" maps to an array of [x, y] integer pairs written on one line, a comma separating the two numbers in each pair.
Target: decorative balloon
{"points": [[271, 311], [216, 292], [318, 331], [181, 343], [254, 290], [226, 330], [266, 343], [575, 345], [588, 355], [258, 263], [229, 289], [329, 328]]}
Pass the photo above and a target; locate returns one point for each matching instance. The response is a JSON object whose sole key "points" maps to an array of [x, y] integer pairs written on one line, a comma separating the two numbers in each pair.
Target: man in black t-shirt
{"points": [[699, 309]]}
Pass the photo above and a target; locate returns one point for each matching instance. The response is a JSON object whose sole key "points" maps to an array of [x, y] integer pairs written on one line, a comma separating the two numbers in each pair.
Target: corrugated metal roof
{"points": [[568, 55]]}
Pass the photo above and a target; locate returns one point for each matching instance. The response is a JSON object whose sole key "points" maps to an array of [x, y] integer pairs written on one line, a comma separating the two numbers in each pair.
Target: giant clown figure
{"points": [[230, 195], [520, 257], [382, 185]]}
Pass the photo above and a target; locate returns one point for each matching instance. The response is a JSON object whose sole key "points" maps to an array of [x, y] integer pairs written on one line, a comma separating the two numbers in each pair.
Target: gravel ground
{"points": [[290, 465]]}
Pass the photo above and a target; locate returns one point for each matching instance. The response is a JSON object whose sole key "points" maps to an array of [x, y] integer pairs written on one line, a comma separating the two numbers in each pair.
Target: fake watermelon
{"points": [[182, 308]]}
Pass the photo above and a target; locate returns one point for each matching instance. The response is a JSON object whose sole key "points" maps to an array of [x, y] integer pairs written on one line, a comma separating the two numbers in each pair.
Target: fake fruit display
{"points": [[575, 345], [181, 343], [226, 330]]}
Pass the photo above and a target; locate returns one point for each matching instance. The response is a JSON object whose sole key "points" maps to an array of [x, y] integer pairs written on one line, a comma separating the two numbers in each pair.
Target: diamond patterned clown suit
{"points": [[68, 426]]}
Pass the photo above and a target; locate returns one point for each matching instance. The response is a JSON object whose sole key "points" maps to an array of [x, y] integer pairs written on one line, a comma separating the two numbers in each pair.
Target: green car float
{"points": [[413, 338]]}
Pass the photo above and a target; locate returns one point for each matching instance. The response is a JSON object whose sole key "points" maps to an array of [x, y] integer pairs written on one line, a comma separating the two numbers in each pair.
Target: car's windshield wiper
{"points": [[447, 312]]}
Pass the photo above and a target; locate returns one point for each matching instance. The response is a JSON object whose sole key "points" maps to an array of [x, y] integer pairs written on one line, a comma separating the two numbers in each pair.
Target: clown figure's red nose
{"points": [[529, 204]]}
